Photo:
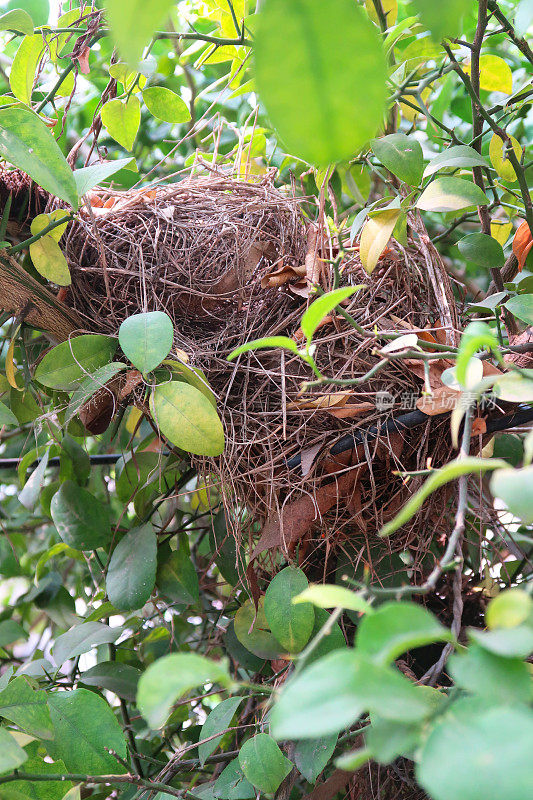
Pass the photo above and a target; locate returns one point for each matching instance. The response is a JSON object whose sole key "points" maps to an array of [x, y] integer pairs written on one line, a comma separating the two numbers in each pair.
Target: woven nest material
{"points": [[227, 261]]}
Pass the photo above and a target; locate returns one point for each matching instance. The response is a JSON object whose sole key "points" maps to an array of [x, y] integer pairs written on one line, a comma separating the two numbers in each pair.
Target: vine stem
{"points": [[107, 780]]}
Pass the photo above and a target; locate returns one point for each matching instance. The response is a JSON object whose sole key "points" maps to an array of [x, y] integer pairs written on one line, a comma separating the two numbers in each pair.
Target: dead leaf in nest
{"points": [[297, 517], [522, 244], [325, 401], [282, 275], [96, 414], [479, 427], [301, 288], [83, 61], [351, 410], [442, 400], [307, 457], [130, 381], [256, 252], [436, 368]]}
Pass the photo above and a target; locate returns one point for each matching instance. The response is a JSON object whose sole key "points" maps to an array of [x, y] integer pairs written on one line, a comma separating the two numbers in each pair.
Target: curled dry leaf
{"points": [[83, 61], [522, 244], [442, 400], [479, 427], [282, 275]]}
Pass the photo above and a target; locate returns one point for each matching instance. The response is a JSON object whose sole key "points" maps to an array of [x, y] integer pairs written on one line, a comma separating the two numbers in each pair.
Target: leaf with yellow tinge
{"points": [[122, 120], [390, 10], [49, 261], [11, 370], [40, 222], [409, 113], [133, 419], [187, 419], [494, 74], [24, 66], [499, 160], [376, 233], [501, 231]]}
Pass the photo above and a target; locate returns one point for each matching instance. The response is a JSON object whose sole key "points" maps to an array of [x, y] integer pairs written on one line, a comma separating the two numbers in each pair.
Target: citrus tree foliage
{"points": [[134, 663]]}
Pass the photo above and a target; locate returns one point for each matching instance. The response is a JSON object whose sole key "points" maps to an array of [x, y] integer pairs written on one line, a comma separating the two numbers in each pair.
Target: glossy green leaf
{"points": [[122, 119], [166, 105], [17, 20], [442, 19], [91, 384], [133, 23], [402, 155], [513, 486], [81, 638], [26, 142], [172, 676], [451, 194], [218, 720], [442, 476], [232, 785], [11, 754], [321, 307], [312, 755], [192, 375], [522, 307], [500, 680], [395, 628], [332, 693], [263, 763], [69, 362], [146, 339], [253, 631], [121, 679], [455, 157], [509, 609], [24, 66], [327, 595], [334, 640], [7, 417], [478, 756], [269, 341], [82, 521], [88, 177], [131, 573], [476, 336], [177, 578], [49, 261], [187, 418], [133, 472], [310, 110], [514, 642], [291, 624], [26, 707], [86, 729], [482, 249]]}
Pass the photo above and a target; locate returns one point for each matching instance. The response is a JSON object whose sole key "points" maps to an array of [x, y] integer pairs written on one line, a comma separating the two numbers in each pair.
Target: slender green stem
{"points": [[55, 224]]}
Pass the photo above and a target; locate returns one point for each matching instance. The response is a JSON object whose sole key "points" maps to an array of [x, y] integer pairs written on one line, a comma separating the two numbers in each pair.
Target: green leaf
{"points": [[32, 488], [41, 221], [395, 628], [522, 307], [501, 681], [86, 729], [402, 155], [177, 578], [192, 375], [133, 473], [442, 19], [478, 756], [82, 521], [218, 720], [290, 624], [91, 384], [146, 339], [88, 177], [26, 142], [166, 105], [523, 17], [442, 476], [187, 419], [321, 307], [37, 790], [477, 335], [131, 573], [327, 595], [509, 609], [451, 194], [49, 261], [513, 486], [24, 66], [121, 679], [332, 693], [482, 249], [253, 632], [455, 157], [172, 676], [263, 763], [17, 20], [350, 762], [375, 235], [232, 785], [312, 755], [82, 638], [388, 739], [269, 341], [514, 642], [333, 641], [7, 417], [300, 84], [133, 23], [122, 119], [69, 362], [10, 632], [11, 753], [26, 707]]}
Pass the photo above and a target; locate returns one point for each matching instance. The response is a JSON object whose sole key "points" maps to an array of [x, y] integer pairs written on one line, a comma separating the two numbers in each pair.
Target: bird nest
{"points": [[232, 261]]}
